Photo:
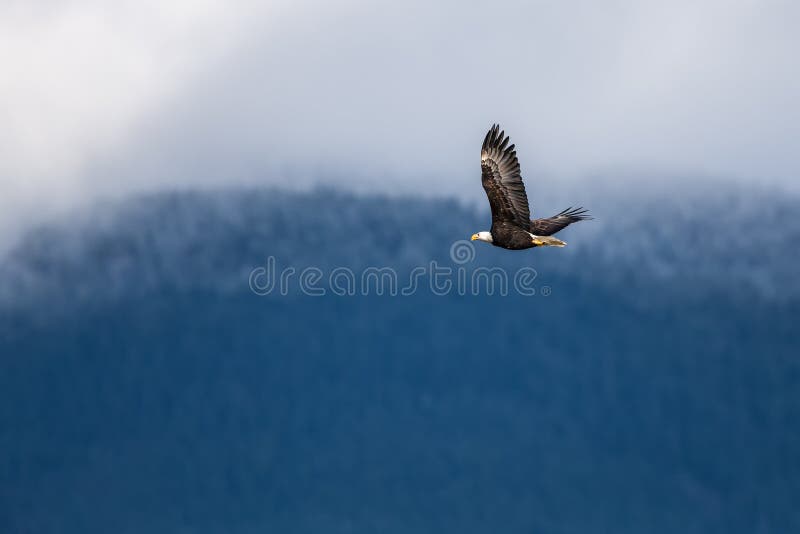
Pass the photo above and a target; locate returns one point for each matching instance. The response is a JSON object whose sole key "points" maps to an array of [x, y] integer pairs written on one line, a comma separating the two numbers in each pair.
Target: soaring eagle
{"points": [[512, 227]]}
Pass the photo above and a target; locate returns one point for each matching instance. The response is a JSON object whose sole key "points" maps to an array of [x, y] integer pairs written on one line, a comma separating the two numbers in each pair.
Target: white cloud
{"points": [[78, 76], [152, 94]]}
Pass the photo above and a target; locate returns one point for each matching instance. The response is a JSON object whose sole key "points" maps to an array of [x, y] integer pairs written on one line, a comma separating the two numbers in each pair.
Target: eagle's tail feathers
{"points": [[547, 241]]}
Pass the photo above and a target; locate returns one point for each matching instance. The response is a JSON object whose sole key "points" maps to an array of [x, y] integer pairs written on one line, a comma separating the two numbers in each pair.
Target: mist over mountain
{"points": [[212, 240], [649, 385]]}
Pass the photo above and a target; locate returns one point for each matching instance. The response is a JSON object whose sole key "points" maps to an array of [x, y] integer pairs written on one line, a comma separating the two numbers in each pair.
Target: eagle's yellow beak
{"points": [[474, 237]]}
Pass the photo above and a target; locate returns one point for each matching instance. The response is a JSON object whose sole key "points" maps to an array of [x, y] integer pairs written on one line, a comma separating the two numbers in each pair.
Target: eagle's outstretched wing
{"points": [[502, 180], [558, 222]]}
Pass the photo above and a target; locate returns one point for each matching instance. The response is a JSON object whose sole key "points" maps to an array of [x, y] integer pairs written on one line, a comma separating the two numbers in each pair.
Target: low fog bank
{"points": [[691, 240]]}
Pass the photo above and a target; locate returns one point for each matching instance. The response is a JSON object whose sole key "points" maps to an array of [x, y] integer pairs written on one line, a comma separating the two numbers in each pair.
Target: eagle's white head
{"points": [[482, 236]]}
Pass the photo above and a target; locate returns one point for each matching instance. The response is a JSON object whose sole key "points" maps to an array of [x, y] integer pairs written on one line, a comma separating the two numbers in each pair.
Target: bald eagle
{"points": [[512, 227]]}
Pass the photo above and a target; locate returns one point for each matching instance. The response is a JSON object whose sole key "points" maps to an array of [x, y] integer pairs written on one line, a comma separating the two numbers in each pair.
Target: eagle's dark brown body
{"points": [[512, 227], [510, 236]]}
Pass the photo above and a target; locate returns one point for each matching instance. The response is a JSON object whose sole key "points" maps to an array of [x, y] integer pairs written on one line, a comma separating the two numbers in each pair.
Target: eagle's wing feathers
{"points": [[553, 224], [502, 180]]}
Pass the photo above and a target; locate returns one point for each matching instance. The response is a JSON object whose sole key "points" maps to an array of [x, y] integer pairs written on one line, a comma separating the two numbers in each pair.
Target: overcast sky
{"points": [[106, 98]]}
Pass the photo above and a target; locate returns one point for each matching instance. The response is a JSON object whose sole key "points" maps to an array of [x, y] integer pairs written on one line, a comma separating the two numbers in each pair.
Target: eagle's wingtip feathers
{"points": [[576, 214]]}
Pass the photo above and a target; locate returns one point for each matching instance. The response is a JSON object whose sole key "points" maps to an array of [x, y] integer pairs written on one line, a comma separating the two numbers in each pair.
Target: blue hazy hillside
{"points": [[652, 383]]}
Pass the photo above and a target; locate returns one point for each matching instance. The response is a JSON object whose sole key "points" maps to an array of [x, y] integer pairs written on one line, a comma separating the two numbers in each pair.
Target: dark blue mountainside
{"points": [[650, 384]]}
